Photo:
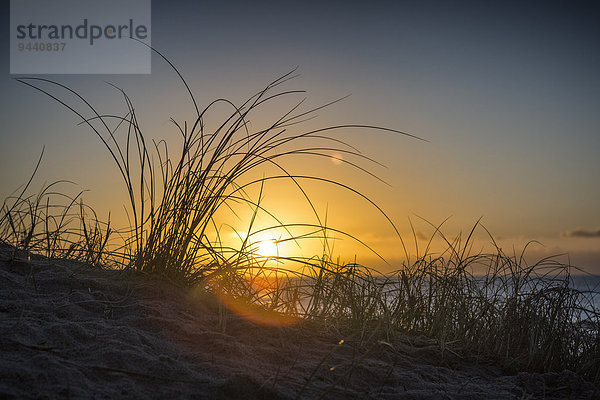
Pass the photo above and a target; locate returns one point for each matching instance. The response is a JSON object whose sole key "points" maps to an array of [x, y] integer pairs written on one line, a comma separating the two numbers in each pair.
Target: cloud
{"points": [[582, 233]]}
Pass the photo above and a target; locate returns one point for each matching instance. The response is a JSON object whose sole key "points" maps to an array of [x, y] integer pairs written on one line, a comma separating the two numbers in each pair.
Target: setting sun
{"points": [[268, 248]]}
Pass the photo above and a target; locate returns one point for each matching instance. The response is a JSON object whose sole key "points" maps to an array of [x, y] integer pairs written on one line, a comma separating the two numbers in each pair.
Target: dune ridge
{"points": [[70, 330]]}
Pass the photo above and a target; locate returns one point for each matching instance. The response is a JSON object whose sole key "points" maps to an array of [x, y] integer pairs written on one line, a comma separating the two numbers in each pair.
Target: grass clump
{"points": [[484, 304], [54, 224], [173, 204]]}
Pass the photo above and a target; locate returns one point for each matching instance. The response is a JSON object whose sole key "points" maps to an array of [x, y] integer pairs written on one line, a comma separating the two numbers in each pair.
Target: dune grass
{"points": [[490, 305]]}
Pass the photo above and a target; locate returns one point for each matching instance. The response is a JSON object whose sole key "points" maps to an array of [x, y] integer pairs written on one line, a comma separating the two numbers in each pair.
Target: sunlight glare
{"points": [[337, 158], [268, 248]]}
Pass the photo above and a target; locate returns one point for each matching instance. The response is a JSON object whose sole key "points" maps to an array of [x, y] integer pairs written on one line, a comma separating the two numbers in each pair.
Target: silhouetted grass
{"points": [[483, 304], [54, 224]]}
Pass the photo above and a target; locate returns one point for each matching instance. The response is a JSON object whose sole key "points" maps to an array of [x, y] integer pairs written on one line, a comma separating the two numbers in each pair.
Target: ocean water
{"points": [[589, 285], [585, 302]]}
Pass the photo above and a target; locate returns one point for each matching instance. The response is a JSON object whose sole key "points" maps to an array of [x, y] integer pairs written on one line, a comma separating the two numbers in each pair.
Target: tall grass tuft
{"points": [[173, 203]]}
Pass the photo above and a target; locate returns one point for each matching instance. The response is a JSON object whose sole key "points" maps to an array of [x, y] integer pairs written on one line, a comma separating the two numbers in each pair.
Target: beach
{"points": [[71, 330]]}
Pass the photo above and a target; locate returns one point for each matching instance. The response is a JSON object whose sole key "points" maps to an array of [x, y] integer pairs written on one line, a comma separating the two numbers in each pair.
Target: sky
{"points": [[505, 93]]}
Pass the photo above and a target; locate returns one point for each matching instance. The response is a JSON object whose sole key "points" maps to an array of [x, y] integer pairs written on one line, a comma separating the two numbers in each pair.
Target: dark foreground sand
{"points": [[68, 330]]}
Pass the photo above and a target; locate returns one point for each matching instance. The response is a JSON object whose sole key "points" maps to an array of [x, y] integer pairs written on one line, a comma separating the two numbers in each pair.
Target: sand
{"points": [[70, 330]]}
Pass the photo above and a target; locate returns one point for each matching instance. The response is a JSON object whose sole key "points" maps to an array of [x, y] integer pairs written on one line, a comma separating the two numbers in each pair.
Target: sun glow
{"points": [[337, 158], [267, 248]]}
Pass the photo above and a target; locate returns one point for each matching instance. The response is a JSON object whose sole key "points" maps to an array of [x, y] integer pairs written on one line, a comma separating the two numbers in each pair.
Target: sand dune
{"points": [[68, 330]]}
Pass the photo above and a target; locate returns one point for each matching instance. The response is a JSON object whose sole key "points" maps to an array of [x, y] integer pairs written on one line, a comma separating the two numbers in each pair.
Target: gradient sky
{"points": [[506, 93]]}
